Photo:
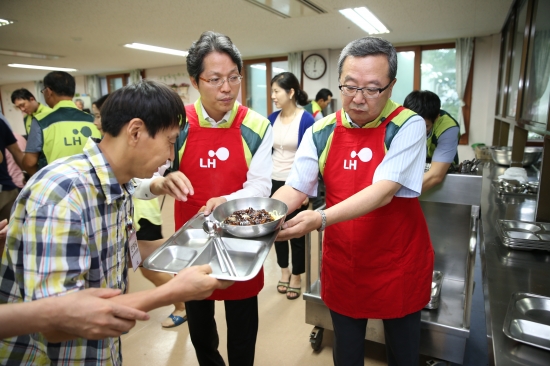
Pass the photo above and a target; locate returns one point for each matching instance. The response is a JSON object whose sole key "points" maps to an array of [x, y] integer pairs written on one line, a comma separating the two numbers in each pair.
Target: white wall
{"points": [[173, 75], [486, 61]]}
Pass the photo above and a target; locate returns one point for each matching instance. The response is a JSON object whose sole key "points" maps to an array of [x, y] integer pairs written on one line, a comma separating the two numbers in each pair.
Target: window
{"points": [[115, 82], [433, 67], [537, 96], [256, 93]]}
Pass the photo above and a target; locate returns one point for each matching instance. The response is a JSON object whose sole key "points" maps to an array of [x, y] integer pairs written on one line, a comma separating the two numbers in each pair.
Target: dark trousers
{"points": [[242, 328], [402, 337], [298, 245]]}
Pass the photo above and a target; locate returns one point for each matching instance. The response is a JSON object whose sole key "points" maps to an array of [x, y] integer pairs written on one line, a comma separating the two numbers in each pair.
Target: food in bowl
{"points": [[251, 216]]}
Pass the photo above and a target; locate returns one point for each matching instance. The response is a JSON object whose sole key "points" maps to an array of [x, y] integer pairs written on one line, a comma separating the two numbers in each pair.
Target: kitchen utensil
{"points": [[250, 231], [528, 319], [226, 264], [502, 155]]}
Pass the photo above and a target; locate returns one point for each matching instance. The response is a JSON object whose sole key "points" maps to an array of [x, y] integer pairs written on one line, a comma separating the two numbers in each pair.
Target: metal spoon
{"points": [[213, 230], [208, 227]]}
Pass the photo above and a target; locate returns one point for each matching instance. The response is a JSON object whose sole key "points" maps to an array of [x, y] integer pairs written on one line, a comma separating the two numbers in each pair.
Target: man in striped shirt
{"points": [[71, 227]]}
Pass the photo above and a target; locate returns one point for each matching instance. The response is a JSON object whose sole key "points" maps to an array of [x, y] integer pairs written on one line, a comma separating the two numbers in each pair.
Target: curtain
{"points": [[295, 64], [541, 63], [464, 52], [135, 76], [93, 87]]}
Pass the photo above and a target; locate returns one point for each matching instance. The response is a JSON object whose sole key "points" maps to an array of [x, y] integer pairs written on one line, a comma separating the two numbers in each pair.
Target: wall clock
{"points": [[314, 66]]}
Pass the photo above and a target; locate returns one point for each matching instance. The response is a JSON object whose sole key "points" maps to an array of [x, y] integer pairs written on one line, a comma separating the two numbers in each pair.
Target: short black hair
{"points": [[61, 83], [287, 81], [21, 94], [157, 105], [98, 103], [323, 94], [207, 43], [425, 103]]}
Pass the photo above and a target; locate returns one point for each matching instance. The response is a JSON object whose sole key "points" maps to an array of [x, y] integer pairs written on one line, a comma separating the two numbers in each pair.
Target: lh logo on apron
{"points": [[365, 155], [222, 153]]}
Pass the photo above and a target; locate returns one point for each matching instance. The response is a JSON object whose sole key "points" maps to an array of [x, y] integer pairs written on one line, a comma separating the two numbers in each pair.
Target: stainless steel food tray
{"points": [[191, 246], [524, 235], [528, 319], [437, 278]]}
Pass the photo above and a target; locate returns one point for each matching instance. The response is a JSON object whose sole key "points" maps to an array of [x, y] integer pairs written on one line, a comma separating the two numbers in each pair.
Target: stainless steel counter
{"points": [[507, 271]]}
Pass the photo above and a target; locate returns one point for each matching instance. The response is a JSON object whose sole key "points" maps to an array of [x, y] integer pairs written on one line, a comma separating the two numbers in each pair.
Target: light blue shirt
{"points": [[403, 163]]}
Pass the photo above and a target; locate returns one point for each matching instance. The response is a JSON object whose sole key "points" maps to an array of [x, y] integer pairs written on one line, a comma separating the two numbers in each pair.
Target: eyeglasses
{"points": [[44, 88], [215, 82], [369, 93]]}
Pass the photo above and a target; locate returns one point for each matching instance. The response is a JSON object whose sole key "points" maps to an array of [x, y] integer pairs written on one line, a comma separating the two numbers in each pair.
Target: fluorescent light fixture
{"points": [[145, 47], [365, 20], [5, 22], [28, 54], [52, 68]]}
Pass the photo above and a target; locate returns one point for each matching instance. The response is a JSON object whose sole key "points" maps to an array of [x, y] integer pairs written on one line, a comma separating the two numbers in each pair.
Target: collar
{"points": [[107, 180], [40, 109], [65, 104], [388, 108], [213, 123]]}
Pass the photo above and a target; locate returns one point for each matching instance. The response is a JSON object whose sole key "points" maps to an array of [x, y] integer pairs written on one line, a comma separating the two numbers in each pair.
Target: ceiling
{"points": [[90, 34]]}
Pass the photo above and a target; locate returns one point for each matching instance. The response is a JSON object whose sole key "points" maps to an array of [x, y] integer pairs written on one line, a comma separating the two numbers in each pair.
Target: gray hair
{"points": [[370, 46], [207, 43]]}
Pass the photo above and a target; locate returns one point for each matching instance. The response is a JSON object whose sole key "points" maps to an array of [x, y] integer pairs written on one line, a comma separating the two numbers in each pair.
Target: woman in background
{"points": [[147, 222], [289, 125]]}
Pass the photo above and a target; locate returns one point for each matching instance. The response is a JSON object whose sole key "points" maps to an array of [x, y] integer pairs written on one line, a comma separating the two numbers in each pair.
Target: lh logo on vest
{"points": [[222, 153], [84, 131], [365, 155]]}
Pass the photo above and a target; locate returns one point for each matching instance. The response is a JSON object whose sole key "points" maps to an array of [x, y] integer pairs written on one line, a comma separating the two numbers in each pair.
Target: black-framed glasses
{"points": [[216, 82], [44, 88], [370, 93]]}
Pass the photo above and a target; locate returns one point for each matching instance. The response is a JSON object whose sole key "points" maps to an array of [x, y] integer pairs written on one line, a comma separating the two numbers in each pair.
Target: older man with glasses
{"points": [[377, 254], [225, 152]]}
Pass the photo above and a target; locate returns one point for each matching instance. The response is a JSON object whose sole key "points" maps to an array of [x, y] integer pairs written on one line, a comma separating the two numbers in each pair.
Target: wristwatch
{"points": [[323, 220]]}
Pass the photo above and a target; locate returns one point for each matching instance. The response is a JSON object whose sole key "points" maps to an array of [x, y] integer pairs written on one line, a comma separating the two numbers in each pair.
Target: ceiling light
{"points": [[364, 19], [145, 47], [5, 22], [28, 54], [23, 66]]}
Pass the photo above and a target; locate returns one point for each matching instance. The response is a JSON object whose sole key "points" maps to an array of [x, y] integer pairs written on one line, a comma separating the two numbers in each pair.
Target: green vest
{"points": [[313, 108], [441, 124], [65, 130], [323, 130], [146, 209], [42, 109], [253, 130]]}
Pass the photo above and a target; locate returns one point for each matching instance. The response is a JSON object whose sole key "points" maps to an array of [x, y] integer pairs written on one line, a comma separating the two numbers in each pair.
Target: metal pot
{"points": [[502, 155], [226, 209]]}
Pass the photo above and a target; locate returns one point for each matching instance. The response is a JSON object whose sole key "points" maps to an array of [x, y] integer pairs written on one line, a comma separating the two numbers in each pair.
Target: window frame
{"points": [[268, 74], [466, 109]]}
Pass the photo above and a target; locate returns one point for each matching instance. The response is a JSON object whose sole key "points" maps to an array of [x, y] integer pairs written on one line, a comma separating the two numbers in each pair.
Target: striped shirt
{"points": [[67, 233], [403, 163]]}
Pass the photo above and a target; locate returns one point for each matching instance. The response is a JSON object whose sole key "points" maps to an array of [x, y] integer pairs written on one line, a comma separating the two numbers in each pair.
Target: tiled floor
{"points": [[283, 337]]}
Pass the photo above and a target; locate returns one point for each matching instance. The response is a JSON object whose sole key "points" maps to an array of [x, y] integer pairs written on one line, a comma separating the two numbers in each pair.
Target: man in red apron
{"points": [[225, 152], [377, 254]]}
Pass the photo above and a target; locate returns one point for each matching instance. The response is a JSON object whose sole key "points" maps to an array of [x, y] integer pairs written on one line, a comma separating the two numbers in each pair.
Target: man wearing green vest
{"points": [[322, 100], [27, 103], [442, 135], [61, 132]]}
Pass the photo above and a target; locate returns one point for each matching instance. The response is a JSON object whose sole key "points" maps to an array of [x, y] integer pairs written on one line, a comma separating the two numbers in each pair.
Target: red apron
{"points": [[378, 265], [213, 177]]}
